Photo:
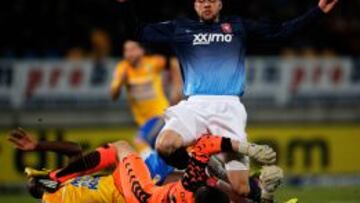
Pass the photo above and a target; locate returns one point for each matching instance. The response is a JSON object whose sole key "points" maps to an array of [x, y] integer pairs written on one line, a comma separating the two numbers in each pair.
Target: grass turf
{"points": [[348, 194]]}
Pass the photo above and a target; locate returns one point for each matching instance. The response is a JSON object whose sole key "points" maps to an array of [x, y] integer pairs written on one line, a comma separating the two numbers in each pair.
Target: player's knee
{"points": [[239, 182], [164, 147], [121, 144], [242, 188], [123, 148], [167, 142]]}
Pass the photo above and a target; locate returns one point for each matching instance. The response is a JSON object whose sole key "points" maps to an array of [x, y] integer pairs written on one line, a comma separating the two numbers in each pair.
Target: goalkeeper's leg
{"points": [[97, 160], [261, 188], [100, 159]]}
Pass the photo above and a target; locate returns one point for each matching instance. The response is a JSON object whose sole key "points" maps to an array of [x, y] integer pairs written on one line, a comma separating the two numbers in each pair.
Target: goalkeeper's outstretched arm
{"points": [[26, 142]]}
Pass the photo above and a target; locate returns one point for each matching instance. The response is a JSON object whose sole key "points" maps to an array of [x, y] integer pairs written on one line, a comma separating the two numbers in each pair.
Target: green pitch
{"points": [[321, 194], [305, 195]]}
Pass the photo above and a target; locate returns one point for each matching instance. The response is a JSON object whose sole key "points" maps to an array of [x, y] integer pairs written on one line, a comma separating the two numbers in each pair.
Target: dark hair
{"points": [[35, 189], [207, 194], [135, 41]]}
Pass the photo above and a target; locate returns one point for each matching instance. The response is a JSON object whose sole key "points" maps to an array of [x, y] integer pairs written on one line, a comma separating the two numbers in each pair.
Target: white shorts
{"points": [[219, 115]]}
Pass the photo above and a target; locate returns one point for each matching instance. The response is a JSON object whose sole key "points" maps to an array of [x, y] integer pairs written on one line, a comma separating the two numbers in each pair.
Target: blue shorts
{"points": [[150, 130], [159, 170]]}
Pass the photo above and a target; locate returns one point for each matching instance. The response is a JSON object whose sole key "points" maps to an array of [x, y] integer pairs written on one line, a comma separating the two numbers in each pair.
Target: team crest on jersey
{"points": [[226, 28]]}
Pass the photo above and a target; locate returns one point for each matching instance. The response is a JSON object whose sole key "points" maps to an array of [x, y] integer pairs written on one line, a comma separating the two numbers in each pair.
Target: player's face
{"points": [[133, 51], [208, 10]]}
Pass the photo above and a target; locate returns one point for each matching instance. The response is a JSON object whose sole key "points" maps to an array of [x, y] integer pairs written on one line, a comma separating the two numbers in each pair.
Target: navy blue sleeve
{"points": [[265, 32], [139, 28], [157, 32]]}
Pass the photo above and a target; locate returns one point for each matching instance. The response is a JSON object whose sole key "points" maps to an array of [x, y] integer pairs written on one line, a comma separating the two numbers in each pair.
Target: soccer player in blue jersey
{"points": [[211, 51]]}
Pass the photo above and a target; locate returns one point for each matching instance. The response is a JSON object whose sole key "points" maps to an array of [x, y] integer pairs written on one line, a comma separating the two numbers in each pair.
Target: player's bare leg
{"points": [[262, 188], [239, 181], [123, 149], [168, 142], [236, 175]]}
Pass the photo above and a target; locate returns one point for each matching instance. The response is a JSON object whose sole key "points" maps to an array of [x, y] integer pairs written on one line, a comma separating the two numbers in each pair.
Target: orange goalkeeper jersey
{"points": [[134, 182], [144, 87], [86, 189]]}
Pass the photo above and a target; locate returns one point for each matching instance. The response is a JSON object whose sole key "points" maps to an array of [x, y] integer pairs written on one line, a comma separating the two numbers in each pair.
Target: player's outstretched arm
{"points": [[118, 81], [141, 29], [327, 5], [24, 141], [176, 81], [258, 31], [209, 145]]}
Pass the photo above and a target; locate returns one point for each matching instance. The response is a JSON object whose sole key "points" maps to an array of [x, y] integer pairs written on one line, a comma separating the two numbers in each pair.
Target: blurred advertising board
{"points": [[56, 81], [302, 149], [284, 80], [60, 82]]}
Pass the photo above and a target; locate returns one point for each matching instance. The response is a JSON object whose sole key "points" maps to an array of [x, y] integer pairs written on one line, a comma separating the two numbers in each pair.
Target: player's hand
{"points": [[22, 140], [271, 178], [261, 153], [327, 5]]}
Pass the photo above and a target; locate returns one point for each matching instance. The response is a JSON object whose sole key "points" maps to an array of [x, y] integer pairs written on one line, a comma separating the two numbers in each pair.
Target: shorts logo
{"points": [[226, 28], [208, 38]]}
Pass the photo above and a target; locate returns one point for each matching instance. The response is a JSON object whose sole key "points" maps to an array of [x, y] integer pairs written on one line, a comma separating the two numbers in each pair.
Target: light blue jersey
{"points": [[212, 55], [213, 62]]}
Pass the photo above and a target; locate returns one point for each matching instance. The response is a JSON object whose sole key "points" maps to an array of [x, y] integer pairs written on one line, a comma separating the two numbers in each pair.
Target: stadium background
{"points": [[303, 95]]}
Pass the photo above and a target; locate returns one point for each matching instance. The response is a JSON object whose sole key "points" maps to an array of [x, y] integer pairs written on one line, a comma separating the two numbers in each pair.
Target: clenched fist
{"points": [[327, 5]]}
